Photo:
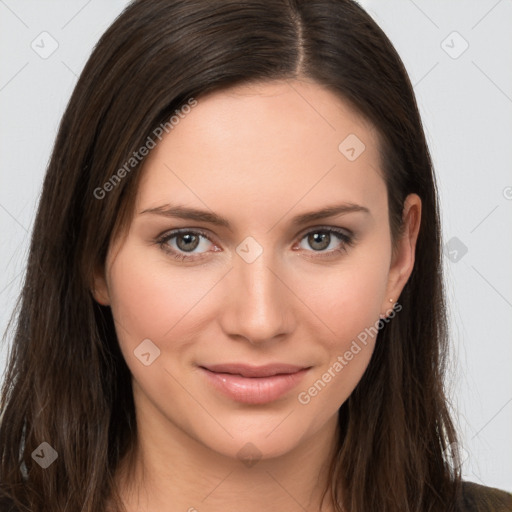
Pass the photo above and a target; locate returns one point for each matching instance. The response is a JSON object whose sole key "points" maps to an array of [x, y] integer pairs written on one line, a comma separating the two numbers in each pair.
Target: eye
{"points": [[189, 245], [185, 244], [326, 241]]}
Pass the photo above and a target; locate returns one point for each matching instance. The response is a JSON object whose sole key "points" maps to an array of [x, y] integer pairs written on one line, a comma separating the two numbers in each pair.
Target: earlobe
{"points": [[404, 256], [388, 312]]}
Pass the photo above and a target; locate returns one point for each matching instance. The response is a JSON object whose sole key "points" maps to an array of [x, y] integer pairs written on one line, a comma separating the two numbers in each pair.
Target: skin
{"points": [[258, 155]]}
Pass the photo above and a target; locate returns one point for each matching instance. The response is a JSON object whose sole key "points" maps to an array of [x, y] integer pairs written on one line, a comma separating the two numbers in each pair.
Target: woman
{"points": [[234, 291]]}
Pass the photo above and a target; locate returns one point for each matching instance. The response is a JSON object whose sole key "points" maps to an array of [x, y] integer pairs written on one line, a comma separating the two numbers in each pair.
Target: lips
{"points": [[253, 384], [254, 371]]}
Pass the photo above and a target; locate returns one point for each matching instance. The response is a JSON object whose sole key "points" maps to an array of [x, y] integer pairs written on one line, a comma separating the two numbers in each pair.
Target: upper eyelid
{"points": [[334, 229], [174, 232]]}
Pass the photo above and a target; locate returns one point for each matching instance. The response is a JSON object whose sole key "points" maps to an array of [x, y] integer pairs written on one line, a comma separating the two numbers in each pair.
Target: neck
{"points": [[170, 471]]}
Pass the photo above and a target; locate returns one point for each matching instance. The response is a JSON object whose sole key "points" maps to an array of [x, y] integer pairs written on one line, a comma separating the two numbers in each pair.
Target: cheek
{"points": [[152, 299], [349, 299]]}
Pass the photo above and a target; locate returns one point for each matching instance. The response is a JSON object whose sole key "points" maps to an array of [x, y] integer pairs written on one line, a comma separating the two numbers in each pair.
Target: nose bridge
{"points": [[258, 308]]}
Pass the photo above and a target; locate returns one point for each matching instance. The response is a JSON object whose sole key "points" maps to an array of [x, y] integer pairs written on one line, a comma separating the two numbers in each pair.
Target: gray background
{"points": [[465, 97]]}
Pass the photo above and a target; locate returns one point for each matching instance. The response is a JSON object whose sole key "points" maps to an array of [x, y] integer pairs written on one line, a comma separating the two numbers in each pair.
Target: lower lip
{"points": [[254, 390]]}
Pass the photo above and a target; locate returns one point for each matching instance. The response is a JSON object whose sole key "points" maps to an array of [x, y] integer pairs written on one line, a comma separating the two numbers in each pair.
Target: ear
{"points": [[403, 258], [100, 288]]}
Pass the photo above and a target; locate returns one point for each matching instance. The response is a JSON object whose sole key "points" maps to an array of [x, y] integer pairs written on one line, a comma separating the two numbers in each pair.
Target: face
{"points": [[241, 315]]}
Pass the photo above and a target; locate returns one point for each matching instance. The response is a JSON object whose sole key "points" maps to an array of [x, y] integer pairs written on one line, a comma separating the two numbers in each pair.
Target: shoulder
{"points": [[480, 498]]}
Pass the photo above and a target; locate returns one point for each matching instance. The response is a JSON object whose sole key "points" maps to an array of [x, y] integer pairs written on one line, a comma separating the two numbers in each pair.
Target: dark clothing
{"points": [[480, 498]]}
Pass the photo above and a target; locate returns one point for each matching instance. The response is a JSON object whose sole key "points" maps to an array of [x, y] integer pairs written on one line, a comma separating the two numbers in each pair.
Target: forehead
{"points": [[280, 143], [277, 112]]}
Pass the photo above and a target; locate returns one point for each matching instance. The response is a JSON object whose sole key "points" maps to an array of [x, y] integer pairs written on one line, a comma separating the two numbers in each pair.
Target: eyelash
{"points": [[347, 240]]}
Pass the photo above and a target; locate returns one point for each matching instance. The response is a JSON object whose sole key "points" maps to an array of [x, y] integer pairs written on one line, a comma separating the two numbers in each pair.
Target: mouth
{"points": [[254, 384]]}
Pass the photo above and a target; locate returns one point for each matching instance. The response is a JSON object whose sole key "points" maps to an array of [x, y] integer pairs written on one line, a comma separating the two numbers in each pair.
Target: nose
{"points": [[258, 306]]}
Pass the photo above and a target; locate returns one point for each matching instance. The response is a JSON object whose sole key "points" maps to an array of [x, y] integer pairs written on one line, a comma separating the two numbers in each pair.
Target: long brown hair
{"points": [[67, 383]]}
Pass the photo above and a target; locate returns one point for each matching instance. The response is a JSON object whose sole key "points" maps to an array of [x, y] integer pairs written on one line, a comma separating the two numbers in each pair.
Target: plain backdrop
{"points": [[458, 55]]}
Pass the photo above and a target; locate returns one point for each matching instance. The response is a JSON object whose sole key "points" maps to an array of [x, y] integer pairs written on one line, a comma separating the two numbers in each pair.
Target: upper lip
{"points": [[246, 370]]}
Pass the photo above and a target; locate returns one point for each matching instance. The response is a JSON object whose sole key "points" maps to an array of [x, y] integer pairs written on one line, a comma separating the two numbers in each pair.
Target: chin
{"points": [[270, 436]]}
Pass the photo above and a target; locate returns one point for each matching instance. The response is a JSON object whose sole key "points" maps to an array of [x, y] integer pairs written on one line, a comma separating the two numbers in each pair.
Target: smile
{"points": [[254, 385]]}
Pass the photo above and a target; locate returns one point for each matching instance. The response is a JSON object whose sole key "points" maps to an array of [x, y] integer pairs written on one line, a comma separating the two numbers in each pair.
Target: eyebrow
{"points": [[183, 212]]}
